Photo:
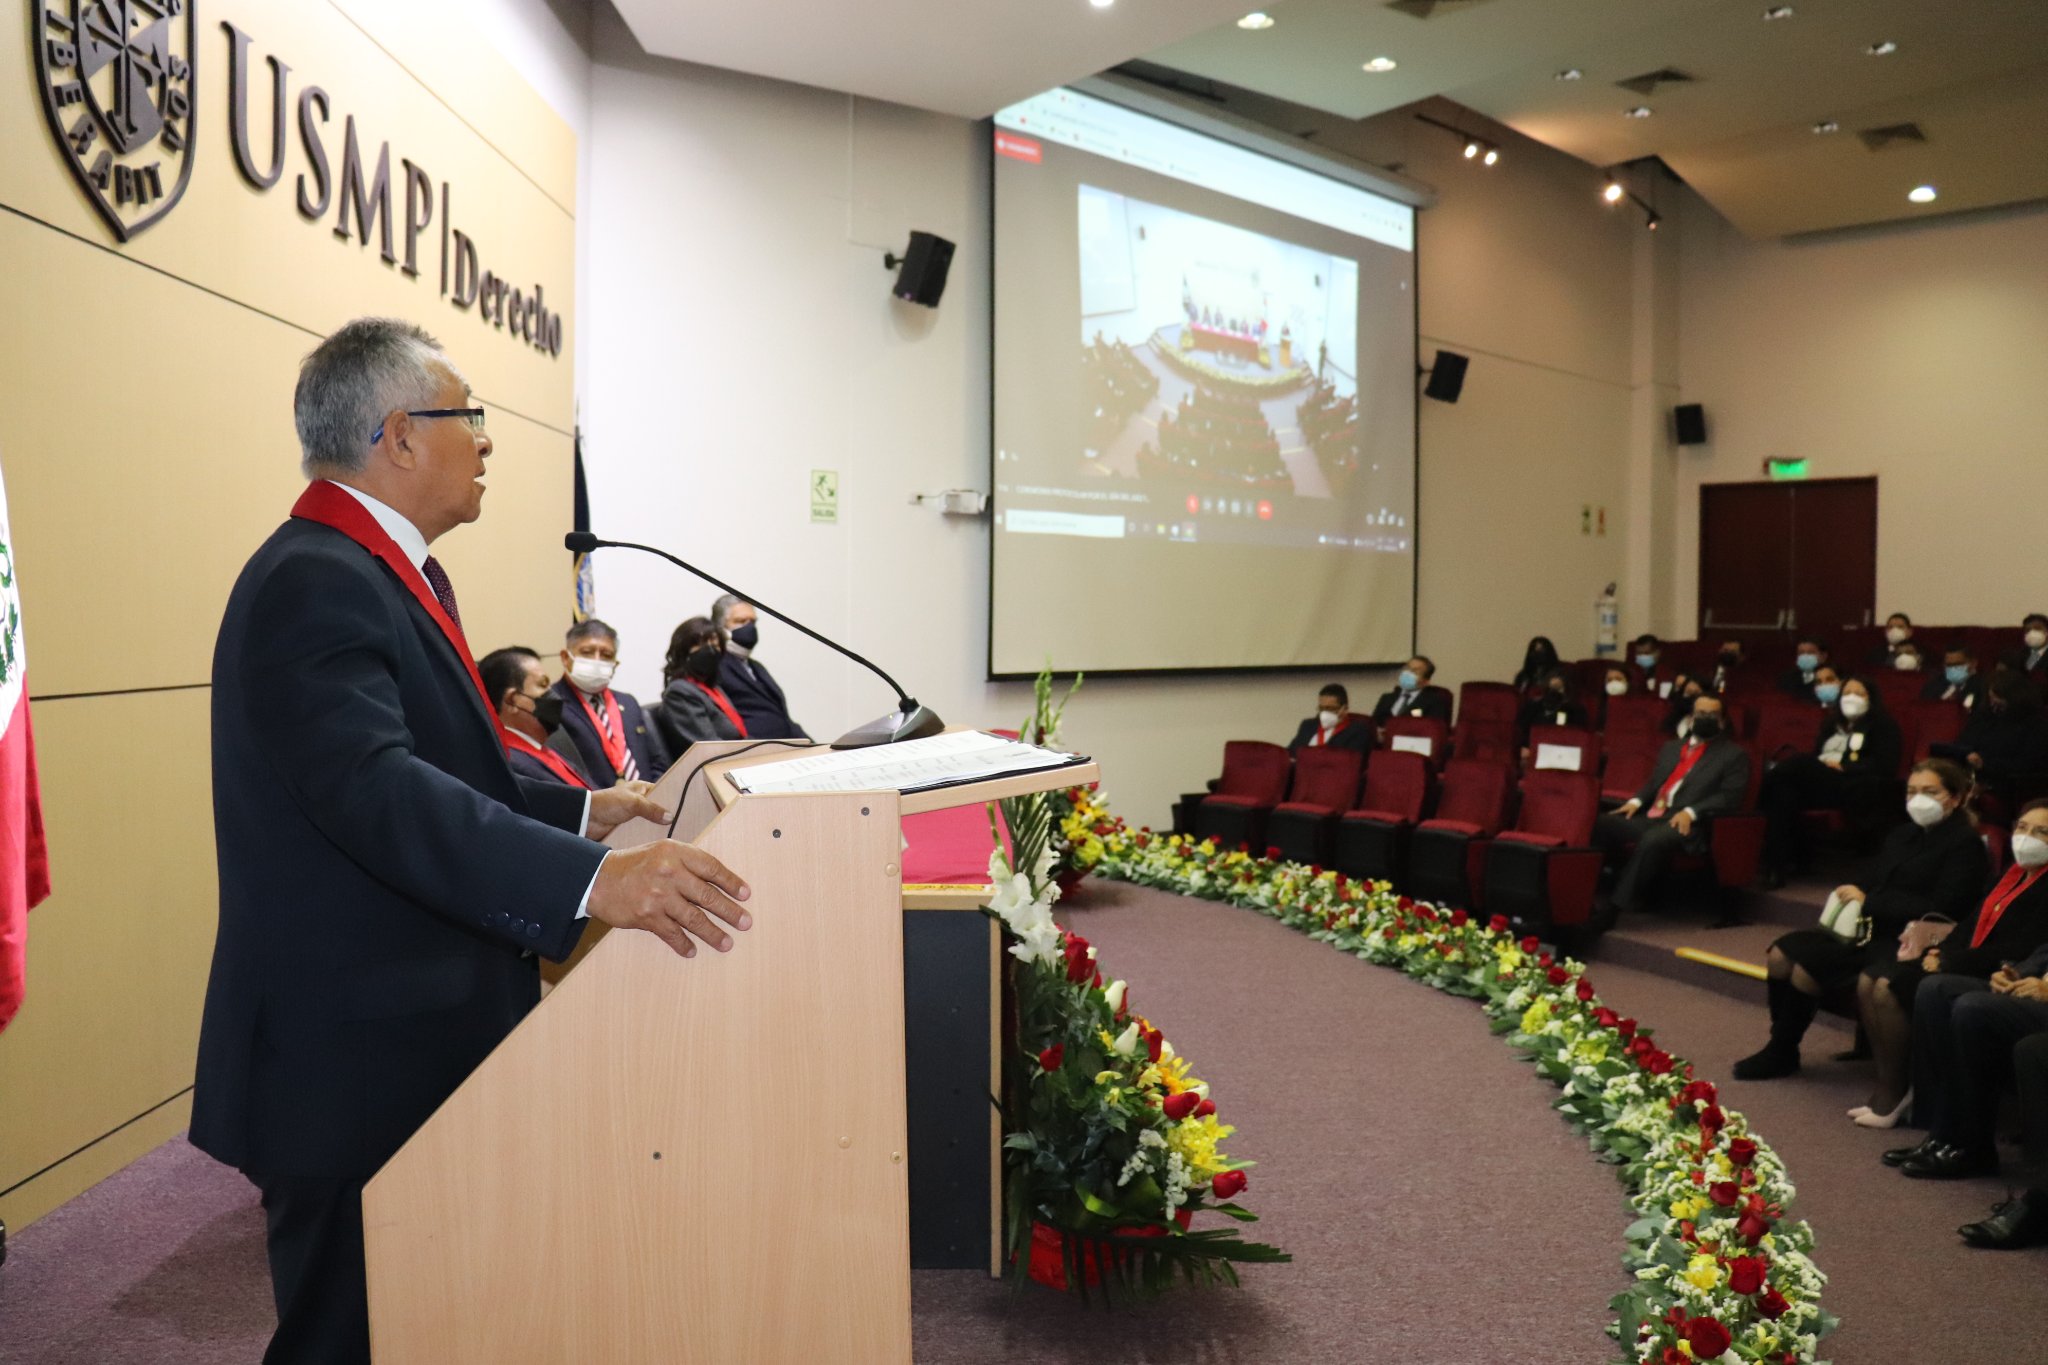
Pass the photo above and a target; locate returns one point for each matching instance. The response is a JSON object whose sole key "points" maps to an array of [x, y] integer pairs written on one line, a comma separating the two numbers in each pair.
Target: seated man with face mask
{"points": [[1798, 680], [529, 717], [754, 693], [1412, 695], [1696, 778], [608, 728], [694, 707], [1333, 724]]}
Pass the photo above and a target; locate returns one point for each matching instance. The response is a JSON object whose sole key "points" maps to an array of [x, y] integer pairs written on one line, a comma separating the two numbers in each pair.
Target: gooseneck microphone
{"points": [[909, 721]]}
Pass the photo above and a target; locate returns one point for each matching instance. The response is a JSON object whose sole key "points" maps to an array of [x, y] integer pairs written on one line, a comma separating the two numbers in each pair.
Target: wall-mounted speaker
{"points": [[1446, 377], [921, 269], [1689, 422]]}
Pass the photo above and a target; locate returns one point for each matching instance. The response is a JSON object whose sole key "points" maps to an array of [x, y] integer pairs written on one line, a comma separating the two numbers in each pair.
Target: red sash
{"points": [[1322, 737], [330, 506], [2011, 887], [717, 695], [1687, 758], [516, 743], [611, 731]]}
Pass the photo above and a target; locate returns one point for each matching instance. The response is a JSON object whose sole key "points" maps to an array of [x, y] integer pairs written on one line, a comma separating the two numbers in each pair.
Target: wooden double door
{"points": [[1794, 557]]}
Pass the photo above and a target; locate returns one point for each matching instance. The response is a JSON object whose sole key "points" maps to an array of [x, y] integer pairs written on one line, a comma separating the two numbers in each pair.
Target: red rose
{"points": [[1050, 1059], [1205, 1108], [1658, 1063], [1179, 1106], [1585, 991], [1673, 1356], [1605, 1017], [1404, 903], [1708, 1338], [1153, 1045], [1751, 1227], [1459, 919], [1558, 976], [1626, 1028], [1078, 966], [1243, 847], [1742, 1151], [1543, 960], [1724, 1193], [1531, 944], [1746, 1274], [1227, 1184], [1273, 852], [1712, 1120], [1771, 1304]]}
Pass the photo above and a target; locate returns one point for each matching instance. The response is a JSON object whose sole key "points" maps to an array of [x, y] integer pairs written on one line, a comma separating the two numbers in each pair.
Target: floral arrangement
{"points": [[1721, 1272], [1112, 1143]]}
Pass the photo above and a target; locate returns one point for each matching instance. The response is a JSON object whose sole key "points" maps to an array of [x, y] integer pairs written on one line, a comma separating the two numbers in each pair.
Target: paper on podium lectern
{"points": [[916, 765]]}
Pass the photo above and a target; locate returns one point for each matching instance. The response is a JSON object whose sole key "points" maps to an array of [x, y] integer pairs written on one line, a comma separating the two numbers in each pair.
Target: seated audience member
{"points": [[529, 716], [1934, 865], [1908, 659], [1808, 659], [1827, 686], [1648, 654], [2021, 1220], [694, 707], [2006, 736], [1333, 725], [1853, 768], [1957, 1056], [1696, 778], [1958, 680], [1537, 662], [1728, 661], [1685, 689], [1616, 683], [753, 692], [1898, 630], [1554, 704], [610, 731], [1411, 695], [2031, 658]]}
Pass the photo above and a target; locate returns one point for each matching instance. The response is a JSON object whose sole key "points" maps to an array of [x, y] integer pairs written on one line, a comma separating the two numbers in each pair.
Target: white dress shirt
{"points": [[413, 546]]}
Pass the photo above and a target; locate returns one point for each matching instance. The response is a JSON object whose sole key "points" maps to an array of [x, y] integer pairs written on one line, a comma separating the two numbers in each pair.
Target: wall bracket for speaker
{"points": [[955, 502]]}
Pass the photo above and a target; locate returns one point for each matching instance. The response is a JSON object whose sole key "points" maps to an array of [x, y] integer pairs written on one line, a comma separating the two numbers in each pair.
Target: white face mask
{"points": [[1897, 634], [2037, 639], [1906, 663], [2029, 851], [1327, 719], [1617, 687], [1925, 810], [592, 675], [1853, 705]]}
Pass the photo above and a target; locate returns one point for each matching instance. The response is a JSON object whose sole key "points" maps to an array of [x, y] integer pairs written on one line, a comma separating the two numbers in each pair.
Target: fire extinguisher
{"points": [[1606, 624]]}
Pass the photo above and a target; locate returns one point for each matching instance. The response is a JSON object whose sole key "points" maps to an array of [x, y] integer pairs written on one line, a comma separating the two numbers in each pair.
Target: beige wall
{"points": [[145, 430], [1913, 352]]}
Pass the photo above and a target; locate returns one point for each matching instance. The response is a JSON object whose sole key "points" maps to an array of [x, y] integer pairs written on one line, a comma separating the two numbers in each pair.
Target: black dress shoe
{"points": [[2020, 1221], [1950, 1162], [1854, 1054], [1769, 1064], [1899, 1156]]}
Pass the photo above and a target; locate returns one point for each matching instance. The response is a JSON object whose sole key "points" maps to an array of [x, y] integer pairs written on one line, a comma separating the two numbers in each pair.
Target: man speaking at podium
{"points": [[385, 880]]}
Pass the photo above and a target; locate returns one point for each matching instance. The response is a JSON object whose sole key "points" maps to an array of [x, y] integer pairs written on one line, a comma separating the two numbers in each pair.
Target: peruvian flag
{"points": [[24, 862]]}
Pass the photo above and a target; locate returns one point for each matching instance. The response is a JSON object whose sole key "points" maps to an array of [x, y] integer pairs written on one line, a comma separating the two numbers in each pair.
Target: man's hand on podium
{"points": [[615, 805], [672, 890]]}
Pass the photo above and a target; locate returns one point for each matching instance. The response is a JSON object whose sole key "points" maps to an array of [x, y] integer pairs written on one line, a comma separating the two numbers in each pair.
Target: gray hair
{"points": [[370, 367], [590, 629], [723, 607]]}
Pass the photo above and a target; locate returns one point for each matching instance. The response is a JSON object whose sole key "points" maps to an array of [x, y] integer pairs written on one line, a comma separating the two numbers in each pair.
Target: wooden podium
{"points": [[693, 1161]]}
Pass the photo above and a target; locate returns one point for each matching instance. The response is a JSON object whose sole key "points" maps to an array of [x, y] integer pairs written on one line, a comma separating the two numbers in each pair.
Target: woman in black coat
{"points": [[2006, 737], [1853, 768], [1538, 661], [1553, 704], [1936, 865]]}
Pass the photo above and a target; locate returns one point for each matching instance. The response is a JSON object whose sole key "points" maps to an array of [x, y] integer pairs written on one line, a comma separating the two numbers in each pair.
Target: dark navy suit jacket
{"points": [[384, 878], [756, 695], [642, 739]]}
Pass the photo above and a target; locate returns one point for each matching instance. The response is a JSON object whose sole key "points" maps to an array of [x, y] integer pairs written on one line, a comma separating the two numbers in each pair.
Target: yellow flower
{"points": [[1536, 1016], [1196, 1141], [1703, 1273]]}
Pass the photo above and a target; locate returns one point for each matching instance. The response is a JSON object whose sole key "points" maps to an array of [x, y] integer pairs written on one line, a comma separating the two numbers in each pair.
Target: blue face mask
{"points": [[1829, 693], [1808, 662], [1646, 662], [1409, 682], [1957, 673]]}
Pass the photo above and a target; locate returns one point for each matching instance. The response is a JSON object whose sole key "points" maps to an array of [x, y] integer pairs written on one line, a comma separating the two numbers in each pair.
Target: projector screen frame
{"points": [[1238, 132]]}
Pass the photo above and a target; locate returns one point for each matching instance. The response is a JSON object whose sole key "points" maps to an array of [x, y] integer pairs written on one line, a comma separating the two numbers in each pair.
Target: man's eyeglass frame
{"points": [[475, 416]]}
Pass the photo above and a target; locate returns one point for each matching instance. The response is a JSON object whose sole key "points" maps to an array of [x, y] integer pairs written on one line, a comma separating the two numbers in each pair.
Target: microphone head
{"points": [[579, 542]]}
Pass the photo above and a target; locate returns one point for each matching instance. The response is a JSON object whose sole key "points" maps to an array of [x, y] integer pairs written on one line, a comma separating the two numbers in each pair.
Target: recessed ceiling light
{"points": [[1640, 111], [1612, 194], [1492, 155], [1776, 12], [1883, 49], [1380, 65], [1258, 18], [1922, 194], [1827, 125], [1571, 73], [1102, 4]]}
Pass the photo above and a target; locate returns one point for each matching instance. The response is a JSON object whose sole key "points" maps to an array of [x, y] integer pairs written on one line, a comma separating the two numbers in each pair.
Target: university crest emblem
{"points": [[116, 81]]}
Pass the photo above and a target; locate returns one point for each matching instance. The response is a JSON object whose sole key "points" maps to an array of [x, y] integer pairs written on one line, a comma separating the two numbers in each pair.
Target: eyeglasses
{"points": [[474, 416]]}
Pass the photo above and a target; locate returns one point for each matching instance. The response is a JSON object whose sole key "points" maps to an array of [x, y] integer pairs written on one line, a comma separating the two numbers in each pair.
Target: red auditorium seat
{"points": [[1901, 691], [1446, 851], [1787, 726], [1254, 781], [1492, 741], [1543, 874], [1564, 748], [1488, 701], [1936, 722], [1369, 842], [1632, 715], [1419, 735], [1631, 759], [1325, 784]]}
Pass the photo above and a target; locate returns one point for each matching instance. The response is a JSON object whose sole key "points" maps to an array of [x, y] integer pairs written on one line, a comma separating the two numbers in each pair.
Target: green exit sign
{"points": [[1785, 469]]}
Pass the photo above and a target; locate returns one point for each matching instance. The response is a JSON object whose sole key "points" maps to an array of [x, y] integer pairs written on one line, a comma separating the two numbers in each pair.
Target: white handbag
{"points": [[1844, 919]]}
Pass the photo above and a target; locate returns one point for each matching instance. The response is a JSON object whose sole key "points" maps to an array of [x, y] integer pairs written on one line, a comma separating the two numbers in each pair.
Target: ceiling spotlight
{"points": [[1492, 155], [1884, 49], [1827, 125], [1654, 220], [1257, 19], [1922, 194], [1612, 194], [1381, 65], [1471, 150], [1102, 4], [1571, 73], [1640, 111], [1776, 12]]}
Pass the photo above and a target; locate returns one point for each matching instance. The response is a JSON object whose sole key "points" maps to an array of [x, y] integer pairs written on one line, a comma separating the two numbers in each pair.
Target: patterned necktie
{"points": [[608, 716], [444, 591]]}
